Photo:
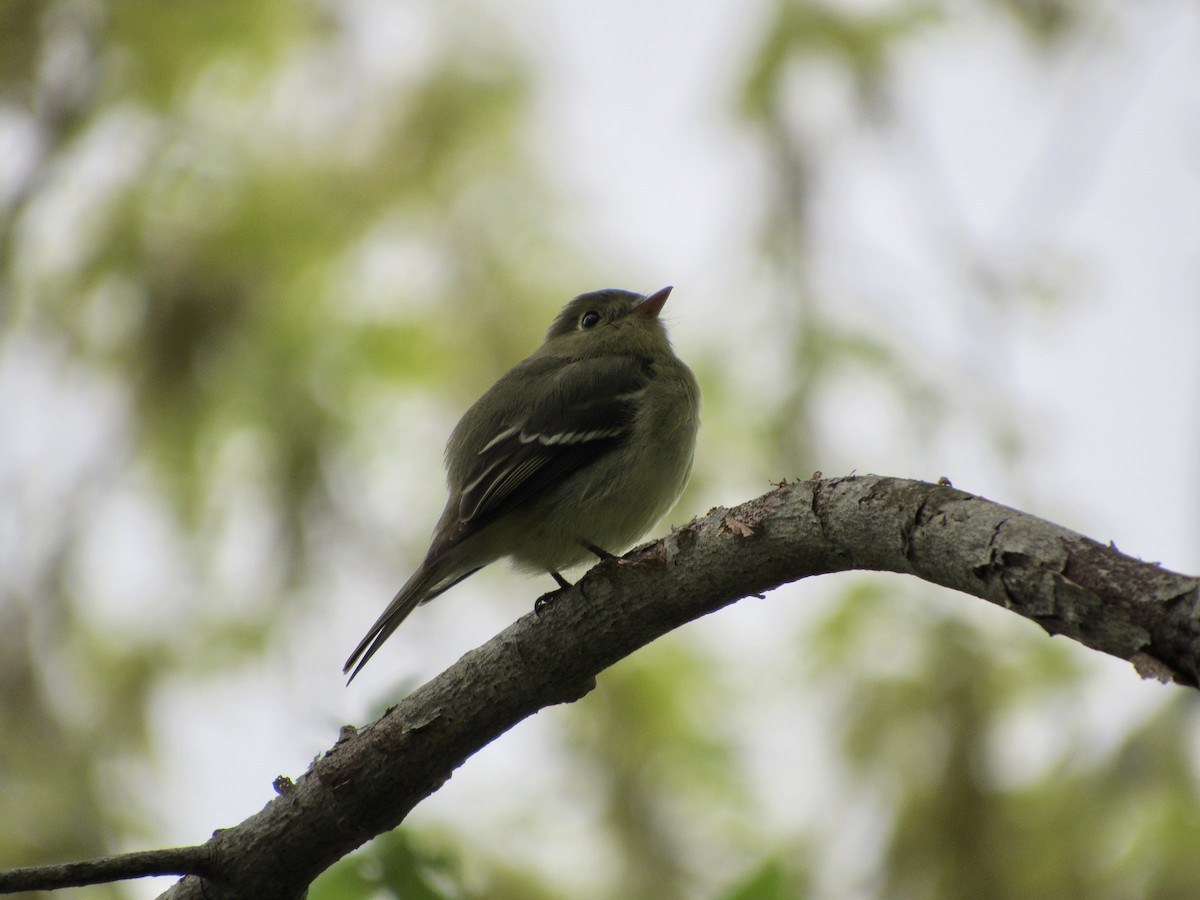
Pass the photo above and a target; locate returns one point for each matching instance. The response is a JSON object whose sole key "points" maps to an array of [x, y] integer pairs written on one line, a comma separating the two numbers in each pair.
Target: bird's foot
{"points": [[544, 602]]}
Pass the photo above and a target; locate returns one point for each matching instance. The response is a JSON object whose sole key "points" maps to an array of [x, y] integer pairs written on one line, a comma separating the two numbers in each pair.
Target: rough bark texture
{"points": [[370, 779]]}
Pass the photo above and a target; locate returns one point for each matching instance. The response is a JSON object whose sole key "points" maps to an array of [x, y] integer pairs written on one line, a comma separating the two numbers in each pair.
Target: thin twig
{"points": [[172, 861]]}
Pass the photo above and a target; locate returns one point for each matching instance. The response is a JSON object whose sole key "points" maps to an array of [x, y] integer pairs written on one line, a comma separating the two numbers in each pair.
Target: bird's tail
{"points": [[424, 585]]}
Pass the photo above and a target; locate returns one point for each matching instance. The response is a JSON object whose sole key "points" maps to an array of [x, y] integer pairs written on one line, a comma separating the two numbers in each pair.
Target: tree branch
{"points": [[370, 779], [175, 861]]}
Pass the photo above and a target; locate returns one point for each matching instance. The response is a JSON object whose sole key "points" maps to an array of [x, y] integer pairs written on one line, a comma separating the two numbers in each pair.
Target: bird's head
{"points": [[610, 321]]}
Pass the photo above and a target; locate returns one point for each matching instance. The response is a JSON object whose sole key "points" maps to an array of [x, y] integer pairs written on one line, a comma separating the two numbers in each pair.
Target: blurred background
{"points": [[256, 258]]}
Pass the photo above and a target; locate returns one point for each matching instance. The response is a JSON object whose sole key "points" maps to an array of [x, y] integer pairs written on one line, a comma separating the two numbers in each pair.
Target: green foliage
{"points": [[1045, 21], [19, 23], [195, 240], [408, 867], [775, 879], [393, 866], [231, 261], [858, 42], [861, 42], [925, 700], [163, 49], [645, 740]]}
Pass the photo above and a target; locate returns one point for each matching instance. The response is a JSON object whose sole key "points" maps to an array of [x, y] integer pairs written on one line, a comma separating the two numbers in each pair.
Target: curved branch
{"points": [[370, 779]]}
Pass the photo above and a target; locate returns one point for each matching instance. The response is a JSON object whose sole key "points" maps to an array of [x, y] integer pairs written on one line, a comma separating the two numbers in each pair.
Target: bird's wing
{"points": [[565, 416], [576, 412]]}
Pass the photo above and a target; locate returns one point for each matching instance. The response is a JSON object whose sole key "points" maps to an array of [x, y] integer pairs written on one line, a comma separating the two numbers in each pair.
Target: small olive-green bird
{"points": [[577, 450]]}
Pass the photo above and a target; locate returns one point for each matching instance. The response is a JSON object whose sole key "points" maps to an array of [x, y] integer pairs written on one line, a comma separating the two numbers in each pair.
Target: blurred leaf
{"points": [[1045, 20], [411, 866], [775, 879], [924, 699], [194, 242], [648, 737], [393, 865], [167, 46], [20, 22], [857, 41]]}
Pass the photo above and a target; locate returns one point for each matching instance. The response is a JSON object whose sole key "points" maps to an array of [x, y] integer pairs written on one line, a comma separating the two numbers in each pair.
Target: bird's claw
{"points": [[544, 602]]}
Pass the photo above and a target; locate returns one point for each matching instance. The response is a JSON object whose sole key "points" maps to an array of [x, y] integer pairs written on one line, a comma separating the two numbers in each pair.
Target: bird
{"points": [[575, 452]]}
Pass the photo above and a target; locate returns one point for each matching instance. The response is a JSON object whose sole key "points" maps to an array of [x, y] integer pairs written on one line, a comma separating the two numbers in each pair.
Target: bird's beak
{"points": [[653, 304]]}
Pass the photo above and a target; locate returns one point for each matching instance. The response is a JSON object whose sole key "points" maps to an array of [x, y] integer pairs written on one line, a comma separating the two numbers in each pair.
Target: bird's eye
{"points": [[590, 319]]}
